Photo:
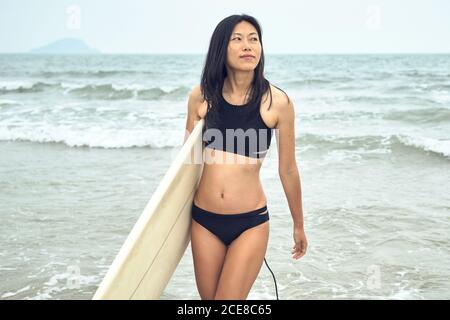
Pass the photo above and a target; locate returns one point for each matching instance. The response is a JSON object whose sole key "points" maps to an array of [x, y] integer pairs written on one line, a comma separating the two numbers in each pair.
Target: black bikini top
{"points": [[241, 130]]}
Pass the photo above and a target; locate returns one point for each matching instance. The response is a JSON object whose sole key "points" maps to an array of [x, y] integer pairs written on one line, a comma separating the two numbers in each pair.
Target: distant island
{"points": [[66, 46]]}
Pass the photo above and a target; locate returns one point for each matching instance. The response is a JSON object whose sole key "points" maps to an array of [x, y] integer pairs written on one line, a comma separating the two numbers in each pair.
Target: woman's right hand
{"points": [[301, 243]]}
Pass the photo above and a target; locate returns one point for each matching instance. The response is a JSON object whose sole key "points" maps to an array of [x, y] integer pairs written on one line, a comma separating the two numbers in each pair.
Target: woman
{"points": [[230, 220]]}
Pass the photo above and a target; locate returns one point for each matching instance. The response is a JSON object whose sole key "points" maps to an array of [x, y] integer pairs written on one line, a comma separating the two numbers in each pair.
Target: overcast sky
{"points": [[182, 26]]}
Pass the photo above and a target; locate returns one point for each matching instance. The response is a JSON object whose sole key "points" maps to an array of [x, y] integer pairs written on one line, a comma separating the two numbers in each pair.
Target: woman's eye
{"points": [[240, 39]]}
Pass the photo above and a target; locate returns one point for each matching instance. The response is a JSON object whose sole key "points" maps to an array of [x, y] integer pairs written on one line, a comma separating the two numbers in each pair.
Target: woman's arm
{"points": [[192, 112], [289, 175], [287, 167]]}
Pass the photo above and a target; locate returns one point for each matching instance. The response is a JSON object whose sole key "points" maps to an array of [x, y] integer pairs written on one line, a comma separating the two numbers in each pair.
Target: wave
{"points": [[106, 91], [340, 115], [101, 91], [417, 88], [9, 103], [94, 136], [376, 143], [389, 100], [428, 115], [19, 87], [91, 74], [424, 74], [155, 93], [439, 87], [316, 81], [437, 147], [331, 142], [355, 81], [112, 92], [377, 100]]}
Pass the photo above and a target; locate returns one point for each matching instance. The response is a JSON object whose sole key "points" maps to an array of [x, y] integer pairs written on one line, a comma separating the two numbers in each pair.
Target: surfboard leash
{"points": [[276, 288]]}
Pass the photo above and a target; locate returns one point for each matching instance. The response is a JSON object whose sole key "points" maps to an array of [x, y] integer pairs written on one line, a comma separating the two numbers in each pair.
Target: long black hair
{"points": [[215, 71]]}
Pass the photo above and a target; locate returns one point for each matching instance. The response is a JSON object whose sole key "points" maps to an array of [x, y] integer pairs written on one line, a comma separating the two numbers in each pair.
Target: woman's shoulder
{"points": [[281, 103], [196, 96], [279, 96]]}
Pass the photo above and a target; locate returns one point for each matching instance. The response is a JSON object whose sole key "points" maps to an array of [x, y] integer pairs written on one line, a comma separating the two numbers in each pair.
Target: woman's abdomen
{"points": [[229, 189]]}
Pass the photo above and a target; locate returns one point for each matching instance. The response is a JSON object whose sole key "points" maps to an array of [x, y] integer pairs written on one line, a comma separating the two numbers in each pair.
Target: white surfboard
{"points": [[158, 240]]}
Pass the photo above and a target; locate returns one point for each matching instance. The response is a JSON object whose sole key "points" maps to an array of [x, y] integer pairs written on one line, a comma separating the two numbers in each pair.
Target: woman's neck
{"points": [[237, 84]]}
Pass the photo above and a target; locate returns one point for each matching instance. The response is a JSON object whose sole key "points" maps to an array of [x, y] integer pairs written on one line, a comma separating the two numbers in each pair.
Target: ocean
{"points": [[85, 140]]}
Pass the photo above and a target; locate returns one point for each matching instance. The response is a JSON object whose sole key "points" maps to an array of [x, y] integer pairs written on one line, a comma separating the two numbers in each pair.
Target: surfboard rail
{"points": [[154, 247]]}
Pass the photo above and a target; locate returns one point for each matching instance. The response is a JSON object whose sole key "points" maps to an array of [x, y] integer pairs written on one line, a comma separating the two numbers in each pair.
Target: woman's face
{"points": [[244, 40]]}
